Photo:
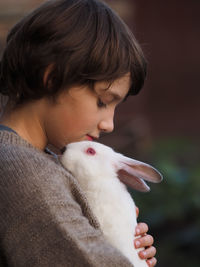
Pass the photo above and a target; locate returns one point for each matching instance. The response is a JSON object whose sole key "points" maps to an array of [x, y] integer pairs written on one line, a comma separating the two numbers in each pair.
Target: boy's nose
{"points": [[107, 124]]}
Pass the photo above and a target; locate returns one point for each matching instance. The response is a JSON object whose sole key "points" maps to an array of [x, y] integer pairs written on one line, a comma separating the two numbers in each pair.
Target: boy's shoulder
{"points": [[22, 159], [13, 153], [29, 171]]}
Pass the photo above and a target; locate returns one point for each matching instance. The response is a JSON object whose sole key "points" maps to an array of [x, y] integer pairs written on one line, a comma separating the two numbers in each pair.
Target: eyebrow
{"points": [[118, 97]]}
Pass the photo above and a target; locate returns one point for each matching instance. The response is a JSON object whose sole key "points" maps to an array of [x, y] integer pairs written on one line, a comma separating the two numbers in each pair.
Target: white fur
{"points": [[107, 195]]}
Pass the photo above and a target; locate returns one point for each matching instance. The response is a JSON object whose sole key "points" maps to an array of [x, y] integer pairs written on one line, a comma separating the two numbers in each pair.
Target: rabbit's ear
{"points": [[132, 172]]}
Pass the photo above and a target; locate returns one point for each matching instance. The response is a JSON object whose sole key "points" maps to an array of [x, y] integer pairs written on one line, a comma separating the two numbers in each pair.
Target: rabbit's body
{"points": [[115, 211], [96, 171]]}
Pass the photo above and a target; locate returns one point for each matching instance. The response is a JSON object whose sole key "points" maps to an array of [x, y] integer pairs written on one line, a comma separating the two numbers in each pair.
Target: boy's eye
{"points": [[100, 103]]}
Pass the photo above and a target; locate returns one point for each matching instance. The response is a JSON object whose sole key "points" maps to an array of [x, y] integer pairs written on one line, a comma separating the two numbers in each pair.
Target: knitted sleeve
{"points": [[44, 218]]}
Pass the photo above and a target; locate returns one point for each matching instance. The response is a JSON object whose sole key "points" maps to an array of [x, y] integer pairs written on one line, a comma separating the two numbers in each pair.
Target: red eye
{"points": [[90, 151]]}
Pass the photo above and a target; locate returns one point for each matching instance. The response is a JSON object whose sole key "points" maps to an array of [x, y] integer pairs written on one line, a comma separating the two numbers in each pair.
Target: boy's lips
{"points": [[90, 138]]}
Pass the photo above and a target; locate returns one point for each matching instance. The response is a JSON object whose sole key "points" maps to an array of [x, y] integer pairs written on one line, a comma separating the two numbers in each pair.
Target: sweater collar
{"points": [[12, 138]]}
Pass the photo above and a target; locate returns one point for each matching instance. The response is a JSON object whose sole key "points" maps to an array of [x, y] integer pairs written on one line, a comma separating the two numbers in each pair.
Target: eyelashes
{"points": [[101, 104]]}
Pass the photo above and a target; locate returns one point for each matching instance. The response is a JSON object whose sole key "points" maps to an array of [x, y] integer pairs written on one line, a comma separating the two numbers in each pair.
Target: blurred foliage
{"points": [[172, 208]]}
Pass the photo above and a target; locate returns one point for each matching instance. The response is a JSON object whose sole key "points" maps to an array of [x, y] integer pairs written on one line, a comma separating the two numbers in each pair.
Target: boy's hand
{"points": [[145, 241]]}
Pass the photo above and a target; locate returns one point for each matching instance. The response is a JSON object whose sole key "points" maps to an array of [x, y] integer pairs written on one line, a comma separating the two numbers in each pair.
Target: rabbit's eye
{"points": [[90, 151]]}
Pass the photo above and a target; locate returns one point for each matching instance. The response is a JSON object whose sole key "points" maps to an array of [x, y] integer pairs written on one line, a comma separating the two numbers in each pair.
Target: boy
{"points": [[65, 68]]}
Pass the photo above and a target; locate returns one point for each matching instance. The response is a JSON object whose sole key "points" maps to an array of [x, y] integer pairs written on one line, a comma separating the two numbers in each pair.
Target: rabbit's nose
{"points": [[63, 149]]}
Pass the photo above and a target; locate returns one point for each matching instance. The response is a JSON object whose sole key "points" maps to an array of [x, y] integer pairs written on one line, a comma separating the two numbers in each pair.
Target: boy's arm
{"points": [[47, 222]]}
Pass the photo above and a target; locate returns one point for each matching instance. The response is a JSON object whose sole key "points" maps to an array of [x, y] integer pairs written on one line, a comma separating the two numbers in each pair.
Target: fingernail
{"points": [[137, 231], [137, 244], [144, 253]]}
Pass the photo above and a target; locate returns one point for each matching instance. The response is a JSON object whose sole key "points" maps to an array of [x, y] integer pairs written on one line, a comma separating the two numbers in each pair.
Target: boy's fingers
{"points": [[152, 262], [141, 229], [148, 253], [145, 241]]}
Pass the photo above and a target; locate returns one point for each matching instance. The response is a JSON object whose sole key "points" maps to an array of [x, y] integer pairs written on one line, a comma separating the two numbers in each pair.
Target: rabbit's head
{"points": [[86, 160]]}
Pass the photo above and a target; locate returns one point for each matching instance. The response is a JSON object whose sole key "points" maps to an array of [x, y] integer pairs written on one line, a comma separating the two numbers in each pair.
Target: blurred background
{"points": [[161, 125]]}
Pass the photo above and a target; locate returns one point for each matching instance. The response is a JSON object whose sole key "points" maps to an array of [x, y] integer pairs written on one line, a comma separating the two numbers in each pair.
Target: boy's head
{"points": [[68, 42]]}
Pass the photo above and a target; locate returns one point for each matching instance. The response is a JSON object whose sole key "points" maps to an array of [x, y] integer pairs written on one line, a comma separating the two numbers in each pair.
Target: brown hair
{"points": [[83, 41]]}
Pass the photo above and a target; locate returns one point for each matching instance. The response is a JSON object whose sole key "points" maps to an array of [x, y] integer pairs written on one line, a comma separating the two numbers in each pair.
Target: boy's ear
{"points": [[46, 81]]}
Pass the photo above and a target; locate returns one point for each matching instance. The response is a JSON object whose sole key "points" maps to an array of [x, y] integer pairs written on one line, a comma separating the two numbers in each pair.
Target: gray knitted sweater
{"points": [[45, 219]]}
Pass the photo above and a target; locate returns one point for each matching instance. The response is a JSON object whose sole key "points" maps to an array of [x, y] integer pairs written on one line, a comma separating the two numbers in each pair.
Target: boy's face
{"points": [[81, 113]]}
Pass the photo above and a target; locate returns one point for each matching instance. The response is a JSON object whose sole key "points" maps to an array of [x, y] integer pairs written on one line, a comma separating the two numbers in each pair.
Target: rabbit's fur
{"points": [[99, 169]]}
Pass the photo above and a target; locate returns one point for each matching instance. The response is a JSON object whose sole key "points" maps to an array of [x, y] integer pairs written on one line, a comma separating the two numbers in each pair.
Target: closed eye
{"points": [[101, 104]]}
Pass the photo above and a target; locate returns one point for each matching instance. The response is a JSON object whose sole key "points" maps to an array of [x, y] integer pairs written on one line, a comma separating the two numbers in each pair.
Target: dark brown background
{"points": [[169, 32]]}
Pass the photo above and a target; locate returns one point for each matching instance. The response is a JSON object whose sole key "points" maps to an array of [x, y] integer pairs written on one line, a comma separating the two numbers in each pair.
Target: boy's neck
{"points": [[27, 122]]}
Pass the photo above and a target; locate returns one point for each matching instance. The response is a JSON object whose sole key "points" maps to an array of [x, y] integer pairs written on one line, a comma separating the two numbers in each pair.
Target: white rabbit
{"points": [[97, 168]]}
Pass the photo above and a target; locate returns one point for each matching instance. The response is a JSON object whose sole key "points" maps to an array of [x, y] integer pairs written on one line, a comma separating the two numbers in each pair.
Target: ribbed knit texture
{"points": [[45, 219]]}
